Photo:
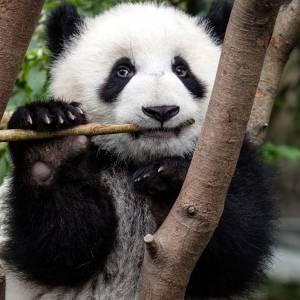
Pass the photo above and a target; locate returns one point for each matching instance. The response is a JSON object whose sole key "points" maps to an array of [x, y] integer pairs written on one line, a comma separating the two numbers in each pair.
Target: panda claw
{"points": [[137, 179], [29, 119], [160, 169], [71, 116], [46, 120], [60, 120], [80, 110], [141, 178]]}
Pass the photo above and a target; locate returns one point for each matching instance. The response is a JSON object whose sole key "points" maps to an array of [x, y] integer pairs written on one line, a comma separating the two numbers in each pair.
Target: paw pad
{"points": [[41, 172]]}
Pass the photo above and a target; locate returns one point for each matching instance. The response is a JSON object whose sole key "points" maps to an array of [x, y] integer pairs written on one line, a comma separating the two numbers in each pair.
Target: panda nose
{"points": [[161, 113]]}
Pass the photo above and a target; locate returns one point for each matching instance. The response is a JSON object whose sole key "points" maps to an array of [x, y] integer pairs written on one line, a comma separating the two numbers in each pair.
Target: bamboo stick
{"points": [[91, 129], [5, 118]]}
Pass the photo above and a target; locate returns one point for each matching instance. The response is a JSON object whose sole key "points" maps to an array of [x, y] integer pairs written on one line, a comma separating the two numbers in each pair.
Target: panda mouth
{"points": [[157, 133], [162, 132]]}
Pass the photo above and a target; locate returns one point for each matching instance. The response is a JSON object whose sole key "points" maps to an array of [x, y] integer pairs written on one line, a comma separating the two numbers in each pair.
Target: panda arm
{"points": [[161, 178], [62, 221], [236, 256]]}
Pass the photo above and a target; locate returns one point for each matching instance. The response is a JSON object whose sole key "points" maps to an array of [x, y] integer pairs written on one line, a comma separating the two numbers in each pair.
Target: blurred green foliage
{"points": [[273, 153]]}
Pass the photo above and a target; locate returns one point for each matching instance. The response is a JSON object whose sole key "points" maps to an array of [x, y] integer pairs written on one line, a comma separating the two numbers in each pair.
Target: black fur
{"points": [[218, 18], [114, 84], [63, 24], [60, 230], [190, 81]]}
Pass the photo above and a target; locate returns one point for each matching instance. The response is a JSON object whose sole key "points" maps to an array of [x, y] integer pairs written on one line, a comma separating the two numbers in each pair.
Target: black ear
{"points": [[63, 24], [218, 17]]}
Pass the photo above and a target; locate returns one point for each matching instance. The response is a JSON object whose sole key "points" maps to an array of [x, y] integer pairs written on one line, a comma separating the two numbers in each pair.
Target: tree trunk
{"points": [[17, 22], [285, 37], [172, 252]]}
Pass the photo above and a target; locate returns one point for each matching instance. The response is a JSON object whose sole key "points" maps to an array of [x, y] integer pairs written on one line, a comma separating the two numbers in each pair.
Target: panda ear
{"points": [[63, 24], [218, 17]]}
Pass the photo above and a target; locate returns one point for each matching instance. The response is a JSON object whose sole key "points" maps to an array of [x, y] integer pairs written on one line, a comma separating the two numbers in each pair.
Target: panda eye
{"points": [[124, 72], [181, 71]]}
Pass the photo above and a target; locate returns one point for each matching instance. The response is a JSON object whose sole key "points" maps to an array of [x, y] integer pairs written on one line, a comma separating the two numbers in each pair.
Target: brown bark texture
{"points": [[172, 252], [285, 37], [17, 22]]}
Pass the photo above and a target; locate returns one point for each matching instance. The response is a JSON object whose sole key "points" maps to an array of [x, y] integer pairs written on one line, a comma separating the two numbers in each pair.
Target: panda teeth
{"points": [[155, 133], [162, 131]]}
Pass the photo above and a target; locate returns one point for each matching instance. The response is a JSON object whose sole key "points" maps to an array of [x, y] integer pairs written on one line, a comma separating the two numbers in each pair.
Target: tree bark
{"points": [[172, 252], [285, 37], [17, 22]]}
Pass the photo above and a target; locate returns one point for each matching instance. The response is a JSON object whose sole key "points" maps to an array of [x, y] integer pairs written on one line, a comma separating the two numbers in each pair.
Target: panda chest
{"points": [[135, 219]]}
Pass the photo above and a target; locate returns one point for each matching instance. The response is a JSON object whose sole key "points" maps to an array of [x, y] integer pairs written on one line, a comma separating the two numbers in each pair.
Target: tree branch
{"points": [[285, 37], [91, 129], [191, 222]]}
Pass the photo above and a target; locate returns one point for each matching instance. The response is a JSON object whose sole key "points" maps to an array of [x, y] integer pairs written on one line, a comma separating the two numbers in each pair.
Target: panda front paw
{"points": [[163, 177], [47, 116], [39, 161]]}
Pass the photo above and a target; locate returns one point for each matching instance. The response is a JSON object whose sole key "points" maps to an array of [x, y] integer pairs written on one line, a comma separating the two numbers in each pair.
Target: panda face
{"points": [[145, 64]]}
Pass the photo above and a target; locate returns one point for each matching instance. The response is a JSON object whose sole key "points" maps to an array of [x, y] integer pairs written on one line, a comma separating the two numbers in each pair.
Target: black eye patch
{"points": [[183, 71], [121, 73]]}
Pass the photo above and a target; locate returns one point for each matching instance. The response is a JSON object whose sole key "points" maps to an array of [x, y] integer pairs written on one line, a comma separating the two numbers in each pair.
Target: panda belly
{"points": [[120, 277]]}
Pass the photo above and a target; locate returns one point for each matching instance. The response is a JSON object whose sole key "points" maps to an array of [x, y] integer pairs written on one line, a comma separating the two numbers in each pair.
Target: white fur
{"points": [[151, 36]]}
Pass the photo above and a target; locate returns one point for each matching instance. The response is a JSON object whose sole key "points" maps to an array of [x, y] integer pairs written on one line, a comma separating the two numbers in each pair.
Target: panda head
{"points": [[145, 64]]}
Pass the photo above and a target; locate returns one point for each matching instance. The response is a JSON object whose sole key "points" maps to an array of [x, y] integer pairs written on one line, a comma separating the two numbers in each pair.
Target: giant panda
{"points": [[78, 207]]}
